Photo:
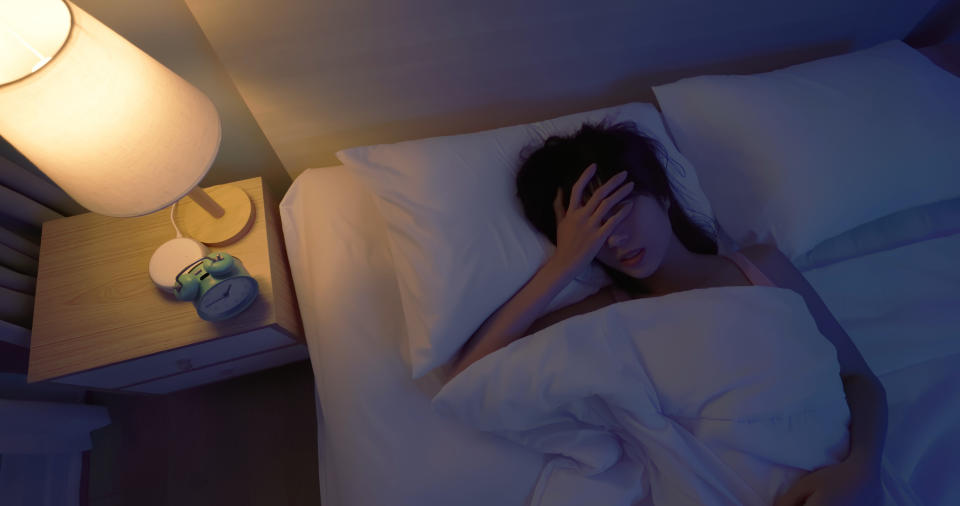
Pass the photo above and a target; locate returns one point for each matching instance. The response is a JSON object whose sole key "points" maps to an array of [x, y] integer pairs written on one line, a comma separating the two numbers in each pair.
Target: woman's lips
{"points": [[633, 257]]}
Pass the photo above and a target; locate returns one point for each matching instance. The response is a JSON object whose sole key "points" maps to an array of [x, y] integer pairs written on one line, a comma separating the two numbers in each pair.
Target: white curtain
{"points": [[41, 445], [27, 199]]}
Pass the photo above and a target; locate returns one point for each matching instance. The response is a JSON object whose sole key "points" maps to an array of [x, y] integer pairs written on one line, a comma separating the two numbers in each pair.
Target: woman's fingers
{"points": [[615, 220], [607, 204], [576, 194], [581, 231], [605, 190]]}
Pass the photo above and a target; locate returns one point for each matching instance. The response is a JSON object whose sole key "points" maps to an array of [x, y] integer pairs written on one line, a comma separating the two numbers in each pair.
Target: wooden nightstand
{"points": [[100, 322]]}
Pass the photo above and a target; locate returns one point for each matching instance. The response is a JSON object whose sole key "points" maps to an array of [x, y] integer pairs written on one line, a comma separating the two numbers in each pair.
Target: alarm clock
{"points": [[218, 285]]}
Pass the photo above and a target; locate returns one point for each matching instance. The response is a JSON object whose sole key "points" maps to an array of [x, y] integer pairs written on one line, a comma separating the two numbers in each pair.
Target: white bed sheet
{"points": [[901, 308], [380, 442]]}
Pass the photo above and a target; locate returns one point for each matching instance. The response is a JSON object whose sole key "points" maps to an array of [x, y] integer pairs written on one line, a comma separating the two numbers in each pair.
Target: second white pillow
{"points": [[799, 155]]}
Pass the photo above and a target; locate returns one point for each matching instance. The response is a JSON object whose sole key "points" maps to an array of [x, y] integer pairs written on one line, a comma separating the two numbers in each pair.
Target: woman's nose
{"points": [[615, 240]]}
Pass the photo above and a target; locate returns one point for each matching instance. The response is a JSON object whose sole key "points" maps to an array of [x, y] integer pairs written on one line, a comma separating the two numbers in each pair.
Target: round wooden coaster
{"points": [[237, 219]]}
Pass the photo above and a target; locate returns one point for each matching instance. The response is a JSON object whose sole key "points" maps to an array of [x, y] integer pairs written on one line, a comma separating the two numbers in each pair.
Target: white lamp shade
{"points": [[118, 131]]}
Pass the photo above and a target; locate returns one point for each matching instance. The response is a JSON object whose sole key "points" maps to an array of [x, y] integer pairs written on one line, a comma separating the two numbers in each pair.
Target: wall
{"points": [[166, 30], [321, 76], [941, 24], [325, 75]]}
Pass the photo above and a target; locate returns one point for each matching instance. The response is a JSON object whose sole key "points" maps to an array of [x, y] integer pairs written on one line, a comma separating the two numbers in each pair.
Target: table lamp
{"points": [[119, 132]]}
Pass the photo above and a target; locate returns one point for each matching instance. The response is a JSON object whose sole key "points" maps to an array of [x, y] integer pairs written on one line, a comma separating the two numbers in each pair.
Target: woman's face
{"points": [[637, 245]]}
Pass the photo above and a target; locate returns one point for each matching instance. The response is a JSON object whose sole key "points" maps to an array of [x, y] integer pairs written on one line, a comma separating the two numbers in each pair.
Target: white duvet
{"points": [[714, 396]]}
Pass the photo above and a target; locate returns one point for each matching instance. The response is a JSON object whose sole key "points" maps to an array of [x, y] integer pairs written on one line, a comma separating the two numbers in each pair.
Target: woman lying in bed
{"points": [[622, 212]]}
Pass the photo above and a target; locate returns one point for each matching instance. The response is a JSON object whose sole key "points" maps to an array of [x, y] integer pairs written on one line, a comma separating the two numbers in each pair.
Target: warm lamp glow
{"points": [[118, 131], [30, 34]]}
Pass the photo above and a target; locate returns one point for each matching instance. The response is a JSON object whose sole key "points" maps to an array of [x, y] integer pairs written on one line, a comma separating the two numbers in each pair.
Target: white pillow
{"points": [[798, 155], [461, 244]]}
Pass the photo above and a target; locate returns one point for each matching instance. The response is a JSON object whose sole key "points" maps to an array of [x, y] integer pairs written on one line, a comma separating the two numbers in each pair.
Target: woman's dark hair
{"points": [[613, 147]]}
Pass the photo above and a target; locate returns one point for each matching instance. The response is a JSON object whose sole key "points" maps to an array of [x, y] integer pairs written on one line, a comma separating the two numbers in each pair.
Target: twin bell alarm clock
{"points": [[218, 285]]}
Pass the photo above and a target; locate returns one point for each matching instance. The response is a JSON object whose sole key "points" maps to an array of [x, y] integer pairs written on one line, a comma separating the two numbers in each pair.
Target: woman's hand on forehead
{"points": [[595, 183], [582, 228]]}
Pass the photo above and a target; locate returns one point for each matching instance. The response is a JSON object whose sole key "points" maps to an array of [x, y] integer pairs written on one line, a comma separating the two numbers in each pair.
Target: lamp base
{"points": [[201, 225]]}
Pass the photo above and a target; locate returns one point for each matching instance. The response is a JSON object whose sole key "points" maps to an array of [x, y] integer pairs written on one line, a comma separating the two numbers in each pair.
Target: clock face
{"points": [[227, 298]]}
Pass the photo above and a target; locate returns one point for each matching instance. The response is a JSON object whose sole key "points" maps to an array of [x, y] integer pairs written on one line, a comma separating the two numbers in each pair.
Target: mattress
{"points": [[380, 442]]}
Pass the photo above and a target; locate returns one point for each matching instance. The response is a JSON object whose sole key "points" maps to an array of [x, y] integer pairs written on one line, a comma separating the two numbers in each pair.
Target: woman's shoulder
{"points": [[763, 255], [759, 252], [770, 261]]}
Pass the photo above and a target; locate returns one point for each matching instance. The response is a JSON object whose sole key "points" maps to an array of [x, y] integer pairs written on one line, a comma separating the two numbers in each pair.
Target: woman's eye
{"points": [[614, 210]]}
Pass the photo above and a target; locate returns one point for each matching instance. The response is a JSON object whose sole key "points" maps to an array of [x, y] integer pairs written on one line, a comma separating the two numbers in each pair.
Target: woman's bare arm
{"points": [[588, 304], [582, 228], [512, 320], [865, 394], [512, 316]]}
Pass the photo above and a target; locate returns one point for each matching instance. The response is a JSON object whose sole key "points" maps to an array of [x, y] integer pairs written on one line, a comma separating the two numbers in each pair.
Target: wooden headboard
{"points": [[320, 76]]}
